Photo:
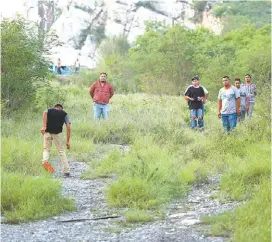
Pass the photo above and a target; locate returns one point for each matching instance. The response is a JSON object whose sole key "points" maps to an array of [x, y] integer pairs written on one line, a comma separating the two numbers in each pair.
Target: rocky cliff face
{"points": [[82, 24]]}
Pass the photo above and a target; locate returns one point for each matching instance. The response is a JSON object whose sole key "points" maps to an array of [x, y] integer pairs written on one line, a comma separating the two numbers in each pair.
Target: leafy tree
{"points": [[235, 15], [23, 64], [163, 60]]}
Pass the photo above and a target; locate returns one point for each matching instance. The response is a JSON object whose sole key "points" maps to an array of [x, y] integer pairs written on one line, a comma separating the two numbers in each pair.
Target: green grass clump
{"points": [[26, 198], [81, 149], [136, 216], [21, 156], [148, 175], [193, 172], [242, 174], [135, 193], [251, 221]]}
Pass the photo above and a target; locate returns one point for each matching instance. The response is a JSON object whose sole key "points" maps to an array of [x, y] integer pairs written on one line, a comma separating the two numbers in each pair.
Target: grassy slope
{"points": [[166, 155]]}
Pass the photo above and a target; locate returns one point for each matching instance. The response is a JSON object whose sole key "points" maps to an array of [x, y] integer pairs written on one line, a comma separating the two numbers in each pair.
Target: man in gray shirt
{"points": [[228, 104], [244, 98], [251, 91]]}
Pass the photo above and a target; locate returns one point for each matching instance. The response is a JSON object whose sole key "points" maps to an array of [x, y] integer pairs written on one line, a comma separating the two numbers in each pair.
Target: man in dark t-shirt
{"points": [[53, 120], [195, 96]]}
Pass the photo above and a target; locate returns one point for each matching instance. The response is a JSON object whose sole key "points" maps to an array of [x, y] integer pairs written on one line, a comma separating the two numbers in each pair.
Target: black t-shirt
{"points": [[195, 93]]}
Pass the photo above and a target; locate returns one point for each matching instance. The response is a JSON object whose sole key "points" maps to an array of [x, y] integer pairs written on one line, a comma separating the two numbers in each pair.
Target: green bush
{"points": [[22, 61], [26, 198], [251, 221], [48, 94], [135, 216], [133, 192], [25, 158]]}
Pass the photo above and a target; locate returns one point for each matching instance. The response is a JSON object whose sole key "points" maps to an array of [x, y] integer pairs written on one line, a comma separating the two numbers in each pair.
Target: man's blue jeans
{"points": [[196, 118], [229, 121], [101, 110], [250, 110]]}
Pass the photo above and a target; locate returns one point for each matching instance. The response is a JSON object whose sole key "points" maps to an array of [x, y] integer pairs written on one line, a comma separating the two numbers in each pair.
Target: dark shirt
{"points": [[55, 120], [195, 93]]}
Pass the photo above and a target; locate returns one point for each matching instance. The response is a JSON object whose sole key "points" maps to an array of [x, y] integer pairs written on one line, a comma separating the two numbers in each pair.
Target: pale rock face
{"points": [[82, 24], [211, 22]]}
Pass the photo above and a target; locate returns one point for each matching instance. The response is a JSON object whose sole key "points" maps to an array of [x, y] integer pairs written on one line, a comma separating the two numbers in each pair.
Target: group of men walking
{"points": [[234, 102]]}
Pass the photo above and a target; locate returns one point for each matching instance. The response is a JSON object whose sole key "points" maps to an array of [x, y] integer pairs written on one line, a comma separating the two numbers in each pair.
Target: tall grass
{"points": [[166, 157], [249, 223], [26, 198]]}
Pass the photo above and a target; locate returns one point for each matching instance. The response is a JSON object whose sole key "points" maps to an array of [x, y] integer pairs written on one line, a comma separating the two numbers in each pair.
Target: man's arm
{"points": [[187, 98], [68, 134], [205, 94], [111, 91], [238, 104], [219, 107], [238, 101], [255, 91], [187, 95], [91, 90], [44, 122]]}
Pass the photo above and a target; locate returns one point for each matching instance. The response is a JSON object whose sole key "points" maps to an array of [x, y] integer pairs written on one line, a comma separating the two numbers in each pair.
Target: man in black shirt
{"points": [[195, 97], [53, 120]]}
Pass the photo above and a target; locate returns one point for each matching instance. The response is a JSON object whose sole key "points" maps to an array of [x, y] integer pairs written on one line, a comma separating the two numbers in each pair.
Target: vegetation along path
{"points": [[93, 220]]}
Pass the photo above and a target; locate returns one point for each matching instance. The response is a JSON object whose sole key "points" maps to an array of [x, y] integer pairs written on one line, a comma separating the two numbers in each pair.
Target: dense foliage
{"points": [[163, 60], [22, 61], [236, 14]]}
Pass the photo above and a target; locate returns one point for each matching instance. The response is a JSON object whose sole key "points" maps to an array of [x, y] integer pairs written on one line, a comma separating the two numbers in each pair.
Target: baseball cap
{"points": [[59, 105], [196, 78]]}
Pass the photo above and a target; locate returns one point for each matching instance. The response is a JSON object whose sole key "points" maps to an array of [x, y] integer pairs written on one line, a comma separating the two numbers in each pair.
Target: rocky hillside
{"points": [[82, 25]]}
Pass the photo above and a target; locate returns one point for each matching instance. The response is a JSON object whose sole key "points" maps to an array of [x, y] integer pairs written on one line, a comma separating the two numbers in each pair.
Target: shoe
{"points": [[66, 174], [48, 167]]}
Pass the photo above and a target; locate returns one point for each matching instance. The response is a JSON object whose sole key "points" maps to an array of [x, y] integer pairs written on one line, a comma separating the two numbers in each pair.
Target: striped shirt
{"points": [[251, 91]]}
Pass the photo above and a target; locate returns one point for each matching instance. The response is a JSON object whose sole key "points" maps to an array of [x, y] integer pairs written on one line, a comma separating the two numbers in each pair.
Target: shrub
{"points": [[26, 198]]}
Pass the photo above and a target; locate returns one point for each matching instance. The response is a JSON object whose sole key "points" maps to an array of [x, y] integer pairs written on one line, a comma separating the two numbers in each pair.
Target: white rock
{"points": [[80, 19]]}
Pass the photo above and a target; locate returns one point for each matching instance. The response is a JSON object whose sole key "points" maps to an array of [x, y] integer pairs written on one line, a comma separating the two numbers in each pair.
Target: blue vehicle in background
{"points": [[65, 70]]}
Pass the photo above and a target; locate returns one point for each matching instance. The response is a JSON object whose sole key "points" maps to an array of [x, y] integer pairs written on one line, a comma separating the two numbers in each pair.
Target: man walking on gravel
{"points": [[101, 92], [53, 120]]}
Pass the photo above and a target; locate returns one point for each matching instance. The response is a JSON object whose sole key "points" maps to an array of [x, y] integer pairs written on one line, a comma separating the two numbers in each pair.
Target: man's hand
{"points": [[43, 130], [219, 115], [68, 145]]}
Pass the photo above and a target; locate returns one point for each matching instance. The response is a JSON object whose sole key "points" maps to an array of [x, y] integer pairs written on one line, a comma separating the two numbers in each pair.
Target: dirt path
{"points": [[181, 222]]}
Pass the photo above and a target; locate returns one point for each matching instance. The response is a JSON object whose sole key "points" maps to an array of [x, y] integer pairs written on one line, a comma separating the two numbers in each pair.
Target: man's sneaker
{"points": [[48, 167], [201, 129], [66, 174]]}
